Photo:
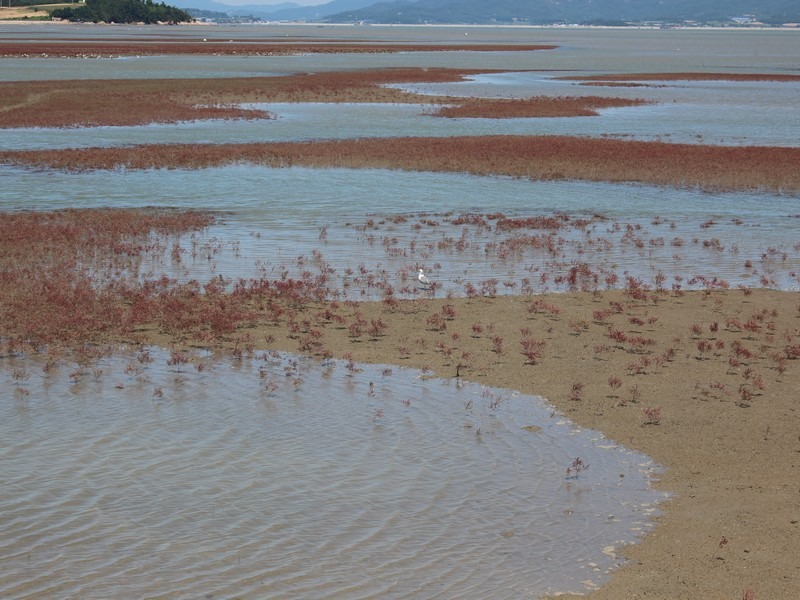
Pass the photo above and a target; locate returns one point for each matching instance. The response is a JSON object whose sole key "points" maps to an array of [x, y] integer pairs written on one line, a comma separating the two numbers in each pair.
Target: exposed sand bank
{"points": [[705, 383], [731, 450]]}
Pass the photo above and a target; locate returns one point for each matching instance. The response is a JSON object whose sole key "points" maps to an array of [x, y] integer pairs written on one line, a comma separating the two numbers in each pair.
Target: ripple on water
{"points": [[347, 483]]}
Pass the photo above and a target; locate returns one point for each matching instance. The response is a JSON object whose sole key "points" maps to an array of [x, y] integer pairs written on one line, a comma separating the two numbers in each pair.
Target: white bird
{"points": [[423, 279]]}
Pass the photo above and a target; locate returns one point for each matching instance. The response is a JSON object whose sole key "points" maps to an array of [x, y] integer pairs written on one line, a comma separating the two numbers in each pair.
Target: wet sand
{"points": [[731, 463], [706, 383]]}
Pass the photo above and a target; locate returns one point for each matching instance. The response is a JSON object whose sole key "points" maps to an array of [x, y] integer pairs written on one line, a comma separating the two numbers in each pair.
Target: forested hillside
{"points": [[617, 12], [123, 11]]}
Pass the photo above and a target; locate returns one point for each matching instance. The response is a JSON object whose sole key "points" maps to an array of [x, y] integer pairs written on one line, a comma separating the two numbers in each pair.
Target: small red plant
{"points": [[436, 322], [498, 345], [651, 415], [617, 335], [635, 393], [377, 328], [532, 350], [576, 468], [449, 312], [176, 359], [576, 391]]}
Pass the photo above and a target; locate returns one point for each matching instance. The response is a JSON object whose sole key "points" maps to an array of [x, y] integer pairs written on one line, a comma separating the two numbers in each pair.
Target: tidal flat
{"points": [[204, 296]]}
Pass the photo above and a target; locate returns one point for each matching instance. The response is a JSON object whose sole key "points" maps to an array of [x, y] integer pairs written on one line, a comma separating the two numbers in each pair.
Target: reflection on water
{"points": [[276, 476]]}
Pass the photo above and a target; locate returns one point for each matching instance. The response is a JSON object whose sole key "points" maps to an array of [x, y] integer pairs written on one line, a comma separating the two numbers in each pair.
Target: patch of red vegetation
{"points": [[111, 49], [538, 106], [91, 103], [535, 157], [690, 76]]}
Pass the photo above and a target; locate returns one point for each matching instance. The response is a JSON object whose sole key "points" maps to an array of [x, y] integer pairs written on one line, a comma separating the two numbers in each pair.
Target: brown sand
{"points": [[733, 523], [706, 382], [731, 449]]}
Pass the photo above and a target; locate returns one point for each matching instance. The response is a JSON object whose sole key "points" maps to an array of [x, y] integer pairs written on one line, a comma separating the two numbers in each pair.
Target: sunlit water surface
{"points": [[276, 477]]}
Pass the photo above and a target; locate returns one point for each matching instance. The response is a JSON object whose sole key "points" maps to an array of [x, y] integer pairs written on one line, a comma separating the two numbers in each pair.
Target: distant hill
{"points": [[219, 7], [319, 12], [122, 11], [286, 11], [572, 11]]}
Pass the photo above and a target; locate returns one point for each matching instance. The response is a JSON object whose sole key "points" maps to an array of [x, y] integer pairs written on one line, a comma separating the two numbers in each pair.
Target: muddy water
{"points": [[277, 477]]}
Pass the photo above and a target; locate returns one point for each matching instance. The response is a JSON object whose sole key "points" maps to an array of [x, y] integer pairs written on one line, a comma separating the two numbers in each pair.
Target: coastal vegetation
{"points": [[96, 102], [123, 11], [535, 157], [649, 365], [155, 46]]}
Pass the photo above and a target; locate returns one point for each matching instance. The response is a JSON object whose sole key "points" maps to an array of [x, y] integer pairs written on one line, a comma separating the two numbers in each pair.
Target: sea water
{"points": [[278, 476], [274, 476]]}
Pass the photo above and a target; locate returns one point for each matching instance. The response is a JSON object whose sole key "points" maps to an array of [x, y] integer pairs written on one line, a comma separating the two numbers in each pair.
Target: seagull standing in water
{"points": [[423, 279]]}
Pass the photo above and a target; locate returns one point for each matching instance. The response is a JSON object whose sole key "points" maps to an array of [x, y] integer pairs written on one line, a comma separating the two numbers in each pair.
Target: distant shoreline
{"points": [[36, 20]]}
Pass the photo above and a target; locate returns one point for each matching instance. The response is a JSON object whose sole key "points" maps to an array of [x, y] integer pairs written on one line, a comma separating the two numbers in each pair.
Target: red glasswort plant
{"points": [[576, 468]]}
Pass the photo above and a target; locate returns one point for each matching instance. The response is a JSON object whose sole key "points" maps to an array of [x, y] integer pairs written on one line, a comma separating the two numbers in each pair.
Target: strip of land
{"points": [[685, 76], [92, 103], [774, 169], [162, 47], [664, 79]]}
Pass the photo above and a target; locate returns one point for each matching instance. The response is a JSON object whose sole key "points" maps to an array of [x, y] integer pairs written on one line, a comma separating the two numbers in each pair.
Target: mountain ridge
{"points": [[548, 12], [533, 12]]}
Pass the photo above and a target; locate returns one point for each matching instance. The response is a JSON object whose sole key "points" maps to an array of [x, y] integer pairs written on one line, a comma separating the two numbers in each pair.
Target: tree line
{"points": [[123, 11]]}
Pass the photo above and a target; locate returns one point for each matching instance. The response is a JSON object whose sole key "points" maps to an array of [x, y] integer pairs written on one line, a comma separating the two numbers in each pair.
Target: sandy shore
{"points": [[705, 382], [718, 371]]}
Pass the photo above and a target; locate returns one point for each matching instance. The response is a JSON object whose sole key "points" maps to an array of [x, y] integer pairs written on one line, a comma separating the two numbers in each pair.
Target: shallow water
{"points": [[339, 222], [580, 50], [131, 477], [722, 113], [761, 113], [276, 477]]}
